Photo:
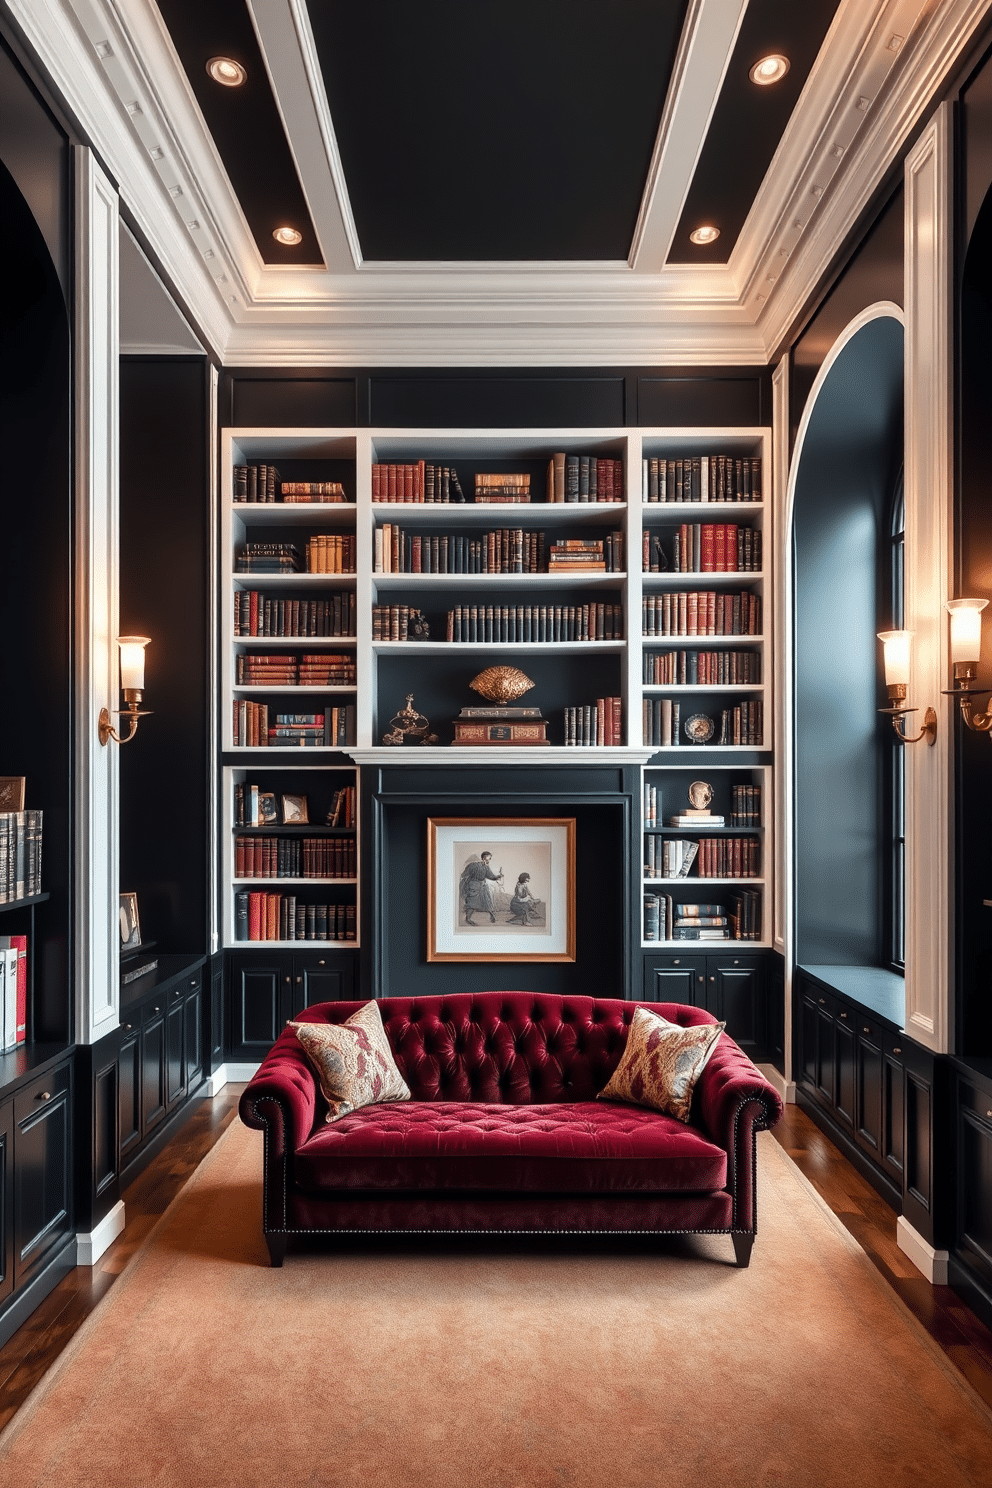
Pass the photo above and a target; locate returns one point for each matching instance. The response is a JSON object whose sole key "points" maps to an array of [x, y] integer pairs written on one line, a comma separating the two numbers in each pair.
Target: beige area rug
{"points": [[483, 1370]]}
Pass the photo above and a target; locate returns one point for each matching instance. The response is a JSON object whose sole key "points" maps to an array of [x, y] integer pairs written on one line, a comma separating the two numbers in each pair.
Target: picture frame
{"points": [[500, 889], [294, 811], [130, 926], [12, 792]]}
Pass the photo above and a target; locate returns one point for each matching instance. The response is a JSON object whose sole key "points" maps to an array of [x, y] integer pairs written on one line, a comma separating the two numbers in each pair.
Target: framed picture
{"points": [[500, 890], [12, 792], [130, 928], [294, 810]]}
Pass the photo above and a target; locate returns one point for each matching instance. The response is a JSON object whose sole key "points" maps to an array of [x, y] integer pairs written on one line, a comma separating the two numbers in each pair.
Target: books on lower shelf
{"points": [[703, 547], [13, 991], [268, 616], [587, 555], [585, 478], [702, 668], [701, 478], [418, 481], [595, 723], [506, 550], [294, 857], [259, 915], [255, 807], [331, 729], [511, 490], [330, 553], [20, 855], [700, 612], [742, 724], [737, 916], [267, 557], [260, 483], [535, 623]]}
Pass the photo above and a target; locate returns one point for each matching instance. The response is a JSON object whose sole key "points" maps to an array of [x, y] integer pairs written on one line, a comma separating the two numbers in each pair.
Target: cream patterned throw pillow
{"points": [[353, 1060], [661, 1063]]}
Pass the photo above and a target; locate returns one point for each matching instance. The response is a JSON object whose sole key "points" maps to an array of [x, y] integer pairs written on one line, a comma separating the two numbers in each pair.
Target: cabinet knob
{"points": [[156, 1010], [865, 1029], [127, 1028], [287, 980], [897, 1051], [677, 961], [45, 1095], [712, 979], [822, 1001], [988, 1113], [701, 979], [193, 983], [298, 980], [321, 962], [844, 1016]]}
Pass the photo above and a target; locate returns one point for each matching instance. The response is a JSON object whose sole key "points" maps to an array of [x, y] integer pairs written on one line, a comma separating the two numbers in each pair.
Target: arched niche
{"points": [[846, 465]]}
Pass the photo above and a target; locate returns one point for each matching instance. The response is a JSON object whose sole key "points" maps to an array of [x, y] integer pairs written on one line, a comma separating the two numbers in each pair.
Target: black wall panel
{"points": [[164, 594], [285, 402], [37, 153], [705, 401], [517, 400]]}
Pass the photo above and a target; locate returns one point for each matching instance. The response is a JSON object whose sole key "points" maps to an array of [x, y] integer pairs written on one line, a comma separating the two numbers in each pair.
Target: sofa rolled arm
{"points": [[734, 1101]]}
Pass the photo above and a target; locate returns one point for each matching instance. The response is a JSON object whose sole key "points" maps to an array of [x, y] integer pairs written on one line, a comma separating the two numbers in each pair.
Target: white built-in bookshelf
{"points": [[718, 683]]}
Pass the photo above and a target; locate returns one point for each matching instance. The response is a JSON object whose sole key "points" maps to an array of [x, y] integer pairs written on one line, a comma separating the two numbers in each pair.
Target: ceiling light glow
{"points": [[704, 235], [769, 70], [288, 235], [226, 71]]}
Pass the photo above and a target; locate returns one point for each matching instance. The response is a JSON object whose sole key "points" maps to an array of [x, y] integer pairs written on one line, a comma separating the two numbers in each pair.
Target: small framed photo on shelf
{"points": [[130, 927], [268, 809], [501, 890], [12, 792], [294, 811]]}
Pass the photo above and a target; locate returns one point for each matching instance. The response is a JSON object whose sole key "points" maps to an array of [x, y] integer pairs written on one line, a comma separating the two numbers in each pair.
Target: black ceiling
{"points": [[748, 122], [497, 130], [244, 123]]}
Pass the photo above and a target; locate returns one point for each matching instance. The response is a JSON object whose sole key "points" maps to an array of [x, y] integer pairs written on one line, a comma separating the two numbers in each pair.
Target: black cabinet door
{"points": [[893, 1106], [676, 979], [974, 1227], [809, 1027], [193, 1072], [217, 1016], [846, 1075], [868, 1092], [825, 1046], [6, 1199], [735, 995], [321, 979], [129, 1089], [175, 1083], [261, 1001], [153, 1062], [42, 1171]]}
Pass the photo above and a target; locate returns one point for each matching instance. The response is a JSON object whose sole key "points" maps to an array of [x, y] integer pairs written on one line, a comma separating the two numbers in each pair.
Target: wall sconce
{"points": [[966, 648], [132, 685], [896, 648]]}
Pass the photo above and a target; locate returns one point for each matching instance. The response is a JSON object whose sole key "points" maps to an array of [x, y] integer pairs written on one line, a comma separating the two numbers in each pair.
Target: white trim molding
{"points": [[91, 1246], [929, 494], [780, 660], [929, 1262], [97, 942]]}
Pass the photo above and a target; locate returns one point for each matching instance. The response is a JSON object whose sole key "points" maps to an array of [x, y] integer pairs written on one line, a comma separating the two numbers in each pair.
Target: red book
{"points": [[711, 548], [255, 916]]}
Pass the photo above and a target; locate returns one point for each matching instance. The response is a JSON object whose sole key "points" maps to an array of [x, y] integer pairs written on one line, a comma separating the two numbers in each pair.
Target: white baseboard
{"points": [[216, 1082], [236, 1074], [89, 1248], [929, 1262], [786, 1088]]}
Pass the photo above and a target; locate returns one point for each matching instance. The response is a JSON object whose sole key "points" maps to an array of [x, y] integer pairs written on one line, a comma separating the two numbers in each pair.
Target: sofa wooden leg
{"points": [[277, 1248], [742, 1247]]}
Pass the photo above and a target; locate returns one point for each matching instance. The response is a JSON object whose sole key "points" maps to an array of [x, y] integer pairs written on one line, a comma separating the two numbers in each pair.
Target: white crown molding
{"points": [[707, 44], [925, 63], [286, 40], [77, 65]]}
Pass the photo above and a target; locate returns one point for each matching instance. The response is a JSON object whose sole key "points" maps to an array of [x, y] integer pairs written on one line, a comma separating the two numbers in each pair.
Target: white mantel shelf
{"points": [[450, 755]]}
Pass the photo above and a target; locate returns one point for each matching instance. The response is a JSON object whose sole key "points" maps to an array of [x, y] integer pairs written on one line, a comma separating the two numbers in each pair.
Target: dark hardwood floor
{"points": [[36, 1346]]}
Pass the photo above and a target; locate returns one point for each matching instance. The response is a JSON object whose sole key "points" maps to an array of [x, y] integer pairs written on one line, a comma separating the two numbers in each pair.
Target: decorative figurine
{"points": [[409, 725], [501, 684]]}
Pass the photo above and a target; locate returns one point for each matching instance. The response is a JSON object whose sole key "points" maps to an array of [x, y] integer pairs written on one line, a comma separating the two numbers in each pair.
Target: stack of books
{"points": [[600, 722], [535, 623], [312, 669], [267, 557], [700, 922], [328, 553], [701, 668], [509, 726], [745, 810], [416, 482], [255, 483], [702, 478], [743, 724], [13, 991], [704, 547], [313, 491], [701, 612], [20, 855], [263, 916], [587, 555], [294, 857], [503, 489], [258, 614]]}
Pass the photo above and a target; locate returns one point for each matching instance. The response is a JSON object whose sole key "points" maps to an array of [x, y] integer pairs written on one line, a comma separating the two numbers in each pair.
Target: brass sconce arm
{"points": [[979, 723], [132, 713], [897, 692]]}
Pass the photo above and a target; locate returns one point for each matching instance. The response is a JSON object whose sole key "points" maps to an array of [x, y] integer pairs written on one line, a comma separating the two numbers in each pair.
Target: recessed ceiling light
{"points": [[288, 235], [769, 70], [226, 71], [704, 235]]}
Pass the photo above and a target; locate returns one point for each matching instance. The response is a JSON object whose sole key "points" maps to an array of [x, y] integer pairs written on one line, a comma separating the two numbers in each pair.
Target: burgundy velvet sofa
{"points": [[504, 1134]]}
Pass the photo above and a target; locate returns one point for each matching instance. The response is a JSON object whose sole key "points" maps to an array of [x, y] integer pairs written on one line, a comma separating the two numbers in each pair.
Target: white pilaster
{"points": [[929, 487], [777, 540], [97, 941], [931, 1263]]}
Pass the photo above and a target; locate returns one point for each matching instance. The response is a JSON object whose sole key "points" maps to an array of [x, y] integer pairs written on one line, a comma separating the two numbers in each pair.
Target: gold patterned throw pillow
{"points": [[353, 1060], [661, 1063]]}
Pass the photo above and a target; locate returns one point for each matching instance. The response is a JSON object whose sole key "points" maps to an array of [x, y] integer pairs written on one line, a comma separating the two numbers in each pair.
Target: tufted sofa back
{"points": [[510, 1048]]}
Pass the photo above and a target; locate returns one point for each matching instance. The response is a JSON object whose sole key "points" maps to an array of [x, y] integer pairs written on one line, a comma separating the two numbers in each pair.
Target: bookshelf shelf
{"points": [[691, 879], [566, 674], [308, 883]]}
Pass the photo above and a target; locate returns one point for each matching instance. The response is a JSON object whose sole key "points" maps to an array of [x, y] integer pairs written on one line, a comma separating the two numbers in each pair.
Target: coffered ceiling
{"points": [[497, 182]]}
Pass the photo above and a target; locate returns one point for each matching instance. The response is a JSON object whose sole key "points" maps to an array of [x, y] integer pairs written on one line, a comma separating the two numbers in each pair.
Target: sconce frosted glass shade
{"points": [[133, 662], [896, 648], [966, 628]]}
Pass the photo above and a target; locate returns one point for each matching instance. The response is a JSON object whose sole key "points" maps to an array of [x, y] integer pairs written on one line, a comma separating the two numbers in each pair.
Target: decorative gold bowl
{"points": [[501, 684]]}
